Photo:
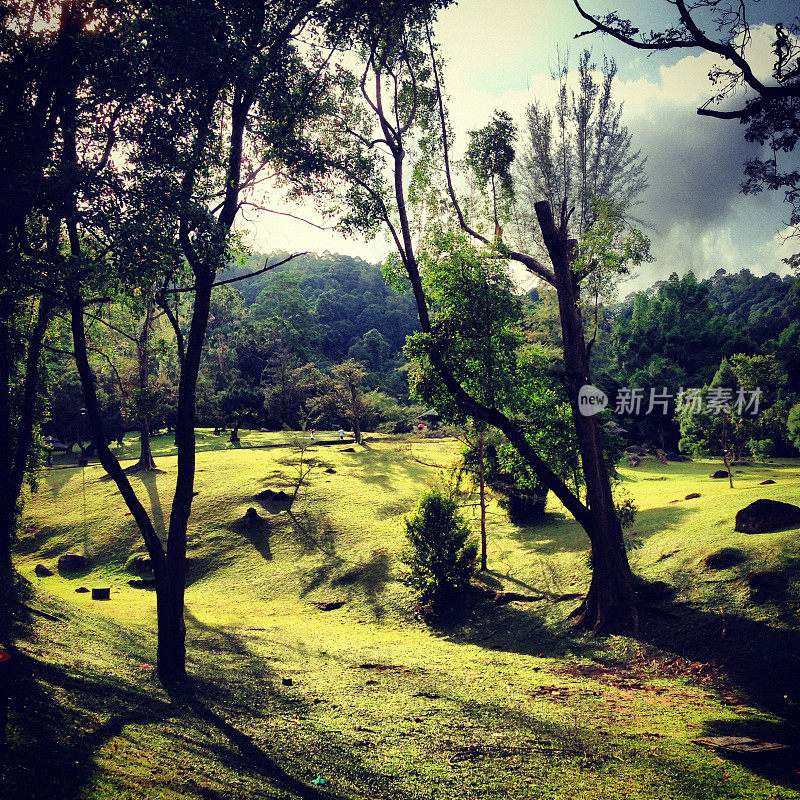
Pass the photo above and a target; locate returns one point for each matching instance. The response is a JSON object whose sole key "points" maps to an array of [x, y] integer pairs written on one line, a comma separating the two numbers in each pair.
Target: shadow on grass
{"points": [[256, 532], [368, 579], [148, 480], [60, 715]]}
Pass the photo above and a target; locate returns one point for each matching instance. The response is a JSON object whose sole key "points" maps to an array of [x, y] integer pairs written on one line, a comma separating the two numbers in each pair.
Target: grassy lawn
{"points": [[368, 701]]}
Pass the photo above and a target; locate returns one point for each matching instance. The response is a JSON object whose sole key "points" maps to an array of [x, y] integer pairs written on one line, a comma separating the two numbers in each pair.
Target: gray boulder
{"points": [[763, 516]]}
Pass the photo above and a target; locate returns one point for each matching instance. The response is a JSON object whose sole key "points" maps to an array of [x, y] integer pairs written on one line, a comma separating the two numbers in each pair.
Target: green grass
{"points": [[503, 702]]}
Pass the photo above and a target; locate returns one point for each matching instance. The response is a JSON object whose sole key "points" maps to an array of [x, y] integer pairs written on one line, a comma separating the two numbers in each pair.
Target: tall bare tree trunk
{"points": [[611, 594], [146, 462], [15, 445], [482, 489]]}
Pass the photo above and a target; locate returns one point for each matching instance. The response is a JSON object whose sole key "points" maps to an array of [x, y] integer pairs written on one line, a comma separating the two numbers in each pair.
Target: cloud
{"points": [[693, 209]]}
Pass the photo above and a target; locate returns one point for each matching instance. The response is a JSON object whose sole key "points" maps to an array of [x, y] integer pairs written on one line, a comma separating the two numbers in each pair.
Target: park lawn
{"points": [[506, 701]]}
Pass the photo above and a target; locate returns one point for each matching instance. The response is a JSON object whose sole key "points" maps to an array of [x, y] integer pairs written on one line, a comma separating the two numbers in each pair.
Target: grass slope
{"points": [[366, 700]]}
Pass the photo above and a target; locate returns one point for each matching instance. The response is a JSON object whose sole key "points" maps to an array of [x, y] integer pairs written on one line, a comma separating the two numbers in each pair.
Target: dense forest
{"points": [[275, 342]]}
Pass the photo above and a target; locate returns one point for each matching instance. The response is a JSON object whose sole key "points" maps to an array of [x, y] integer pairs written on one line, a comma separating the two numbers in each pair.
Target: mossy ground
{"points": [[501, 702]]}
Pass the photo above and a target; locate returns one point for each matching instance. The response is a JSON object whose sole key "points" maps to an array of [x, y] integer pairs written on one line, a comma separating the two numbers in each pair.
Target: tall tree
{"points": [[604, 183], [45, 56], [400, 110], [244, 95]]}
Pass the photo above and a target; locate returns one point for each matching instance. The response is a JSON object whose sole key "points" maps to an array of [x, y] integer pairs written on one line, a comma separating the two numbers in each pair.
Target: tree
{"points": [[579, 151], [771, 114], [441, 556], [341, 397], [609, 247], [401, 107], [242, 403], [214, 115], [743, 407], [474, 314], [41, 47]]}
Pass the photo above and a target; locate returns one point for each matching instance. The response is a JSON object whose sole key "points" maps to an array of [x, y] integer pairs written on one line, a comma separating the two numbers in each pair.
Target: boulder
{"points": [[524, 506], [692, 496], [767, 482], [101, 593], [43, 571], [141, 564], [661, 456], [69, 562], [252, 517], [677, 457], [81, 590], [636, 450], [763, 516], [720, 473], [273, 496], [633, 461], [145, 583]]}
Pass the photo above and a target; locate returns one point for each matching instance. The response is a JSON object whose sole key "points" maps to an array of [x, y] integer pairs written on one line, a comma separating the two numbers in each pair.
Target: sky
{"points": [[499, 54]]}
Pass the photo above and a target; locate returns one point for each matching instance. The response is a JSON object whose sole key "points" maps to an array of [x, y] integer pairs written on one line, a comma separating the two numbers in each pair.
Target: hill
{"points": [[366, 699]]}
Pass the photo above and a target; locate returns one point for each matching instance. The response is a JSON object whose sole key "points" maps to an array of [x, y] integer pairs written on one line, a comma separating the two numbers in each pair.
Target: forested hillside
{"points": [[679, 333]]}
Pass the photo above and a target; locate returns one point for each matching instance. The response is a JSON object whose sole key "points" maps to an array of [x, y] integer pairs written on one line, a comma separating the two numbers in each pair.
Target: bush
{"points": [[441, 559]]}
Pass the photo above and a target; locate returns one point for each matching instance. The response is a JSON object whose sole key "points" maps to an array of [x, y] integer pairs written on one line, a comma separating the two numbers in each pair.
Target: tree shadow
{"points": [[368, 579], [256, 758], [148, 480], [216, 702], [61, 716]]}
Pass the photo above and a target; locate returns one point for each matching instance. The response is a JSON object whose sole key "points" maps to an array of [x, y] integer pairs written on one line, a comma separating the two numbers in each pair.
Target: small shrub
{"points": [[441, 558]]}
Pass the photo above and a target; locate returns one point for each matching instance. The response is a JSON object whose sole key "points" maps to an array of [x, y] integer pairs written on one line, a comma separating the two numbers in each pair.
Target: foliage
{"points": [[731, 425], [793, 425], [579, 152], [441, 557]]}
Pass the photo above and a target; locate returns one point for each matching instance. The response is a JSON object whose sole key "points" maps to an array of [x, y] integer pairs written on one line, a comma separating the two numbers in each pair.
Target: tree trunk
{"points": [[611, 596], [235, 433], [482, 484], [145, 462], [15, 446], [7, 502]]}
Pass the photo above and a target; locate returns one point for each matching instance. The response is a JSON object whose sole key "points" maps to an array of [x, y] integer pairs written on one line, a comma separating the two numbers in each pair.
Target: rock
{"points": [[767, 482], [763, 516], [524, 506], [692, 496], [274, 497], [720, 473], [146, 583], [724, 558], [81, 590], [348, 450], [636, 450], [661, 456], [633, 461], [141, 564], [677, 457], [287, 682], [328, 605], [252, 517], [330, 471], [69, 562], [102, 593], [767, 581], [43, 571]]}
